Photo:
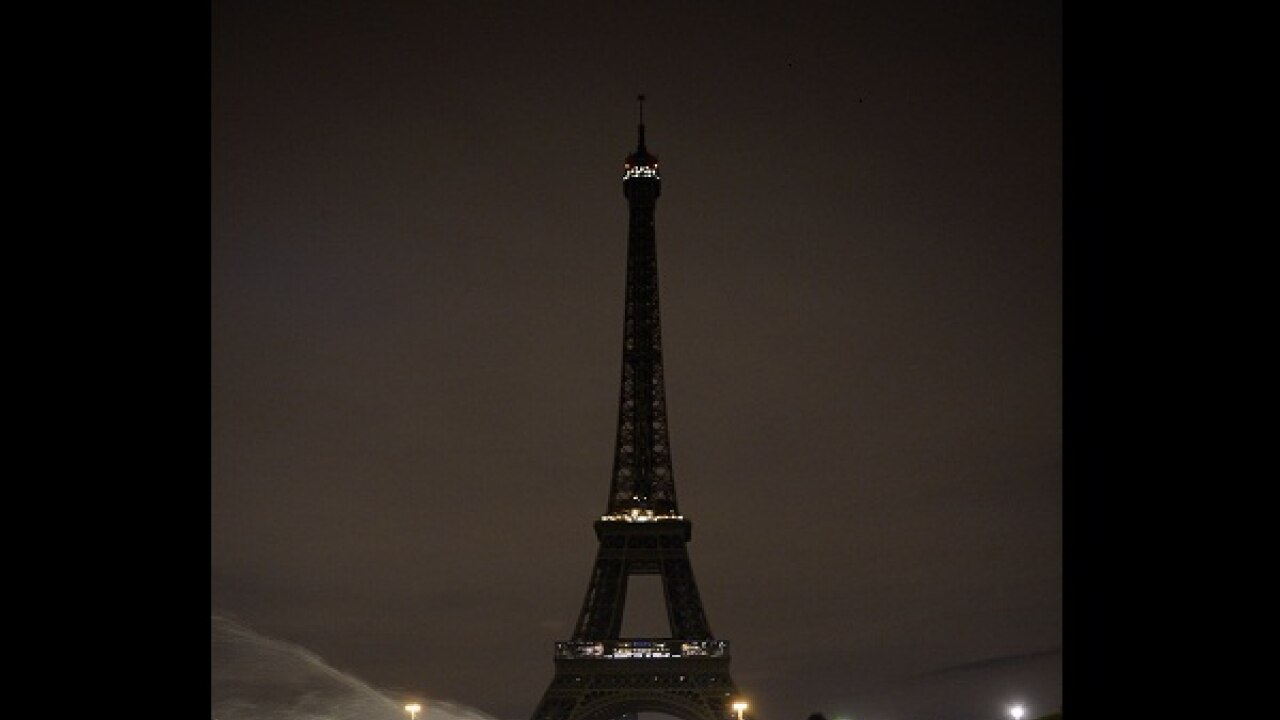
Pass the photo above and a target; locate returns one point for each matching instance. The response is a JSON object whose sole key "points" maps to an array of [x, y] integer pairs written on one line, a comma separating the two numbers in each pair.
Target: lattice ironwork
{"points": [[599, 675], [643, 481], [604, 690], [651, 548]]}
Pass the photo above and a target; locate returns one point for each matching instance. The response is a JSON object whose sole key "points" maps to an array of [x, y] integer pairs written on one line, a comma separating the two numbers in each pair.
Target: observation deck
{"points": [[640, 648]]}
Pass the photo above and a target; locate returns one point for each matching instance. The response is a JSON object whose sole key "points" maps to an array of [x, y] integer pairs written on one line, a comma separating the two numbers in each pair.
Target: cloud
{"points": [[255, 677], [992, 662]]}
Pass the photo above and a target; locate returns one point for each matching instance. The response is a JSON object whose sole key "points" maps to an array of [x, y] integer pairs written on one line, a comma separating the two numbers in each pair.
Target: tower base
{"points": [[690, 688]]}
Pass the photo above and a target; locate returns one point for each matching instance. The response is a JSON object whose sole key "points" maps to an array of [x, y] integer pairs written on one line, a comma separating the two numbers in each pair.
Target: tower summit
{"points": [[640, 164], [599, 674]]}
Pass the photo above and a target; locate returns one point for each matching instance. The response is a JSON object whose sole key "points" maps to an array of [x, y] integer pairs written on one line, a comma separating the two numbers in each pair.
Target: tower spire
{"points": [[640, 128]]}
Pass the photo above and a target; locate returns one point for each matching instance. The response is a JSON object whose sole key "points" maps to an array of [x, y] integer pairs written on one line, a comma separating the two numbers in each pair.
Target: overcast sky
{"points": [[418, 254]]}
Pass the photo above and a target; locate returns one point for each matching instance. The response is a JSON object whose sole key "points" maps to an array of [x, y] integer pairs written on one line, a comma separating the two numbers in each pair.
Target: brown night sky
{"points": [[417, 271]]}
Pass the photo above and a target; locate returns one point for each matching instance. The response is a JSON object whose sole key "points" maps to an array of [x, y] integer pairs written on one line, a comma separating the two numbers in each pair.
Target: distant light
{"points": [[413, 709], [1017, 711], [740, 707]]}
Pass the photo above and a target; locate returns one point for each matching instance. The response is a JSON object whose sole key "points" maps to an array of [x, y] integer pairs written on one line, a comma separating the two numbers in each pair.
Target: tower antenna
{"points": [[641, 126]]}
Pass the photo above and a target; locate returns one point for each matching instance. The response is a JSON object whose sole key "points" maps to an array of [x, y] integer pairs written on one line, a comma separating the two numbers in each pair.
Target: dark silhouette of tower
{"points": [[599, 674]]}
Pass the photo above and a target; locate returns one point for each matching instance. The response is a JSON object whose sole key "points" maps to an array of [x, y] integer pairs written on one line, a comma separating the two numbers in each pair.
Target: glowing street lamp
{"points": [[740, 707], [1017, 711], [413, 709]]}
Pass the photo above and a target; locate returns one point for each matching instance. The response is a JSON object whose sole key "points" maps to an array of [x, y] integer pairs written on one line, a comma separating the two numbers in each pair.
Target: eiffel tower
{"points": [[599, 674]]}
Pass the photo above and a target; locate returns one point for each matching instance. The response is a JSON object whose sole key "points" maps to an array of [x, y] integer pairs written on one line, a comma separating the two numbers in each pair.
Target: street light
{"points": [[1017, 711], [740, 707], [413, 709]]}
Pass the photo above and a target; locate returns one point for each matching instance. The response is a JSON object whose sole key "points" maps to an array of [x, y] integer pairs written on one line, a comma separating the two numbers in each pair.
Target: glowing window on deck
{"points": [[640, 171]]}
